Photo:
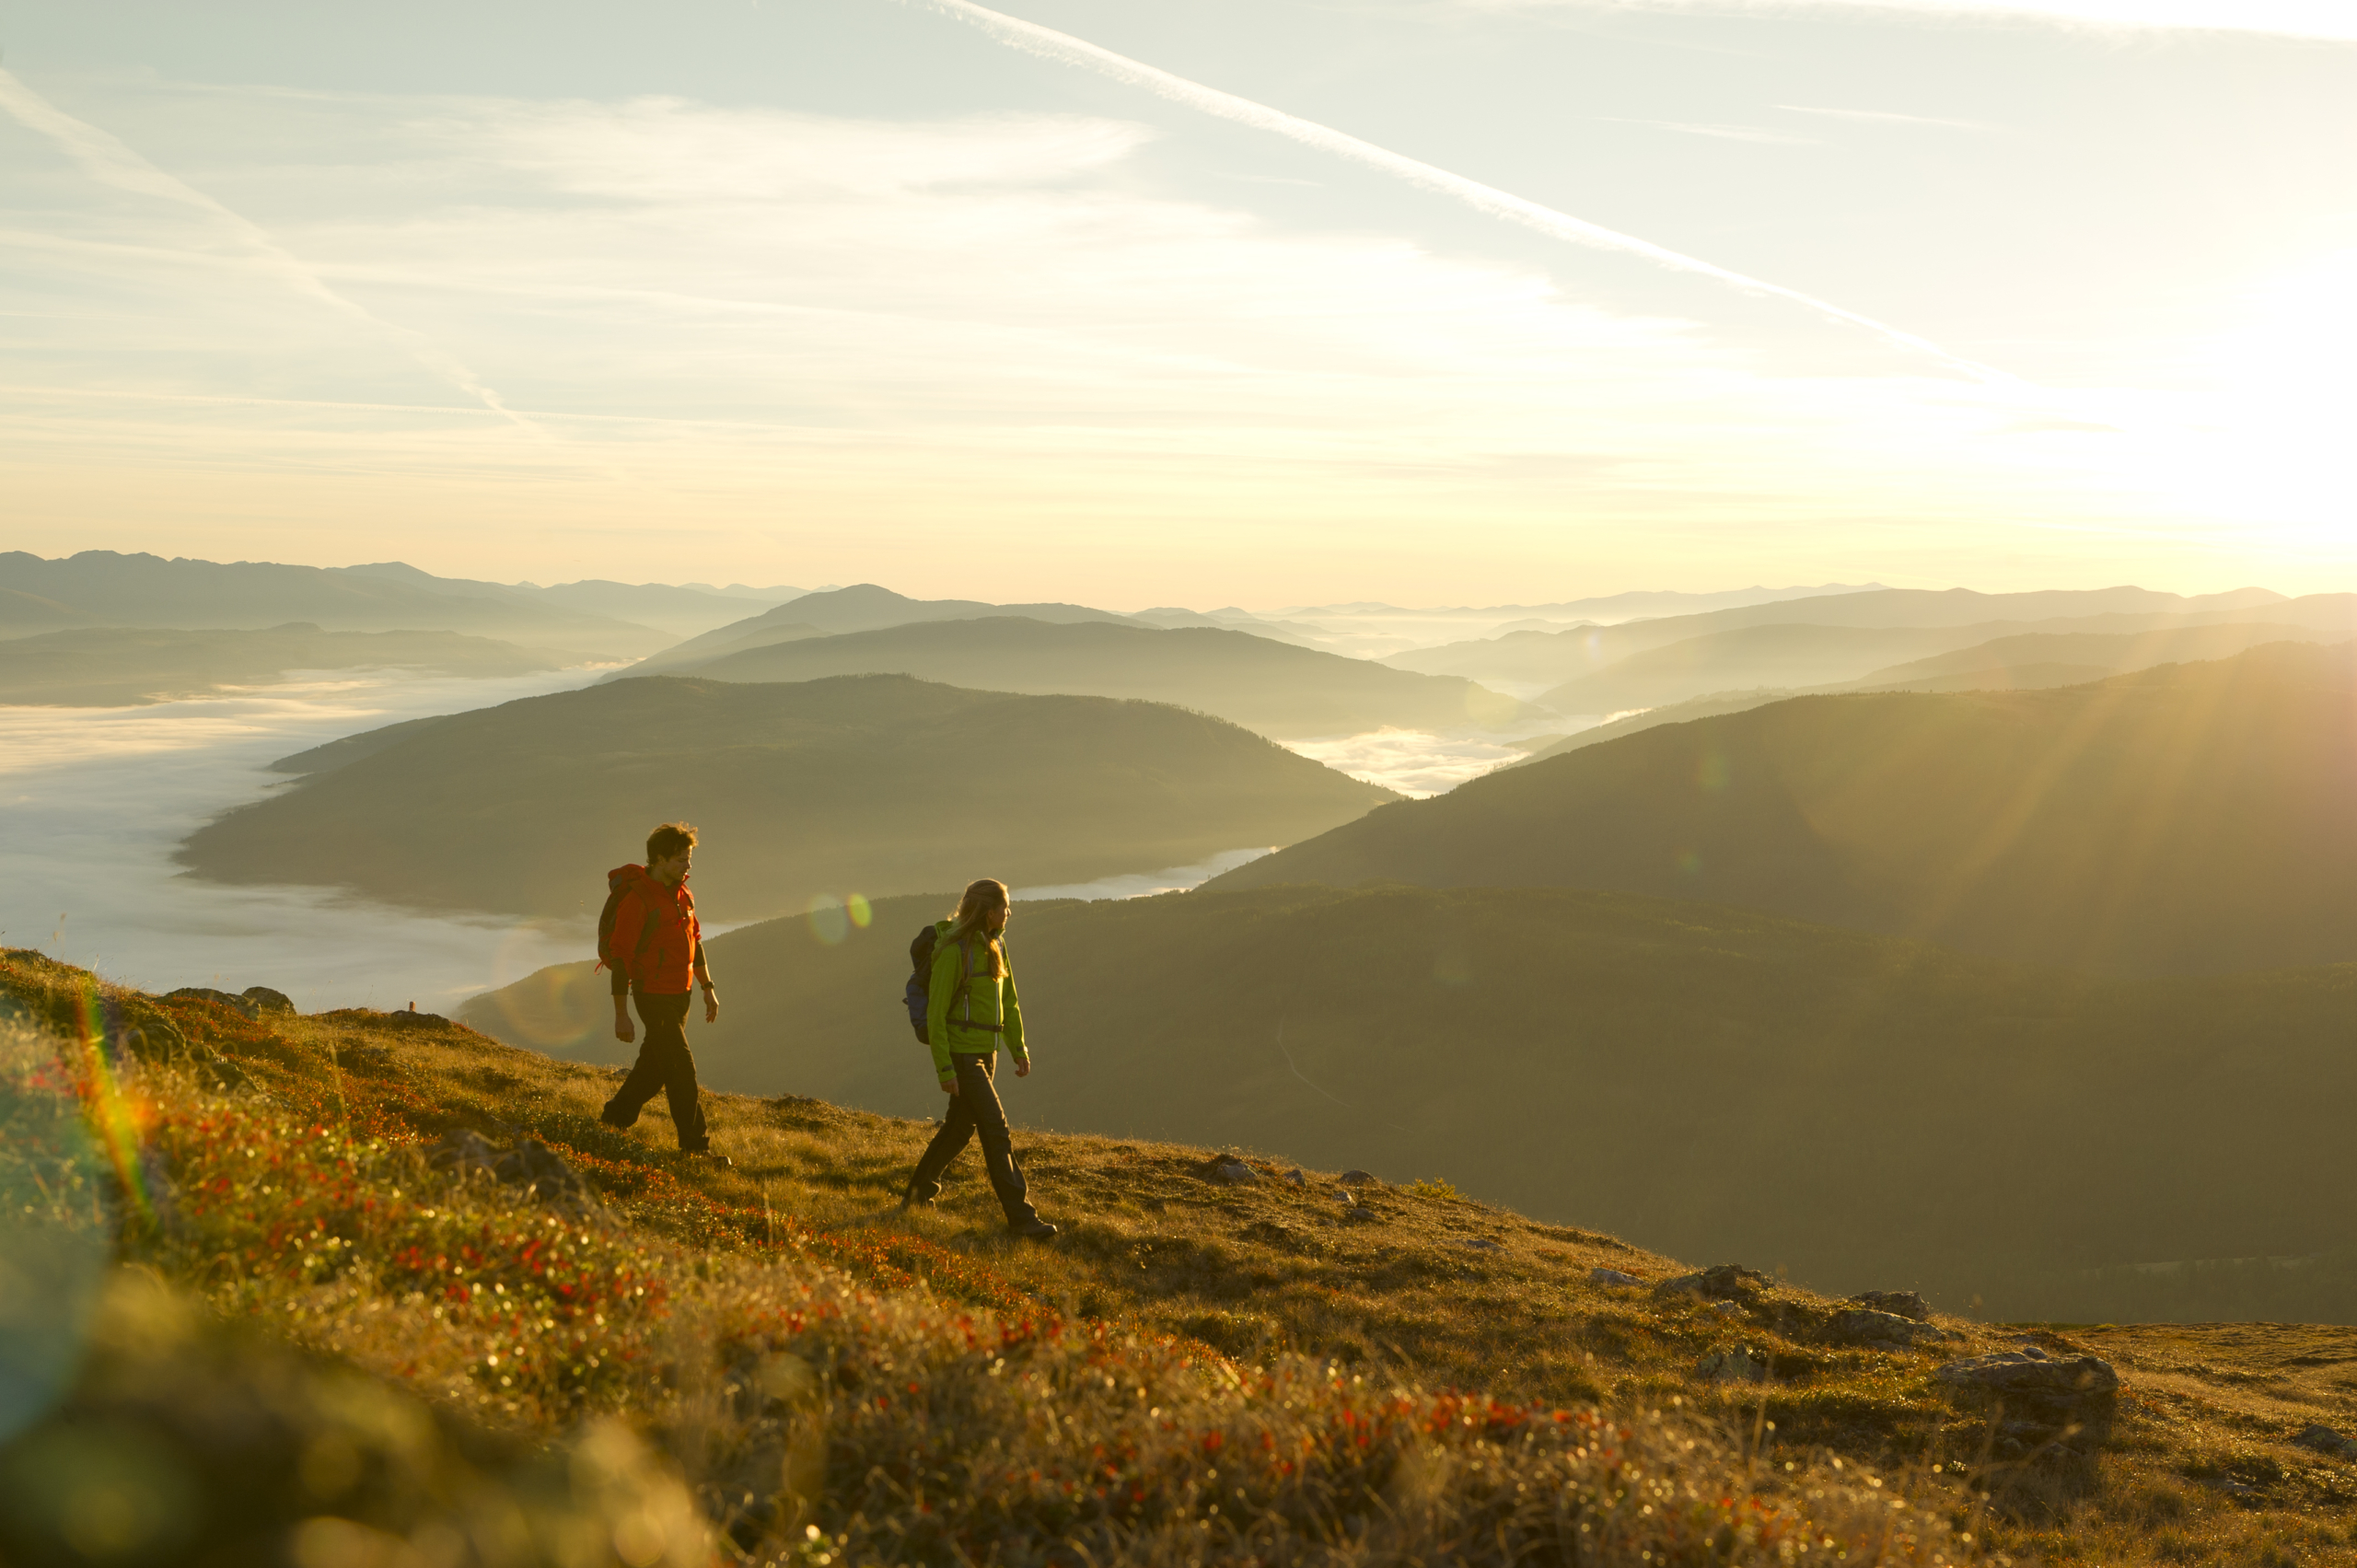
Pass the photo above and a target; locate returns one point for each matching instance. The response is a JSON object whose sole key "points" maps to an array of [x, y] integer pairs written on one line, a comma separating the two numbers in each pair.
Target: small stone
{"points": [[1231, 1172], [1861, 1325], [1731, 1367], [227, 999], [1297, 1178], [1723, 1281], [1479, 1244], [1900, 1302], [1727, 1308], [1611, 1277], [269, 1000], [1358, 1178], [2325, 1440]]}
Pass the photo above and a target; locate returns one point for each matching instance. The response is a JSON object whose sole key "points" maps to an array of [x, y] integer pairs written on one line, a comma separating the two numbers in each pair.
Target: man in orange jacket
{"points": [[656, 950]]}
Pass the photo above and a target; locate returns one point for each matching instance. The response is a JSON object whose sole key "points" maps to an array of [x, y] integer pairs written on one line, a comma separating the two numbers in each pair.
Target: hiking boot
{"points": [[1038, 1230]]}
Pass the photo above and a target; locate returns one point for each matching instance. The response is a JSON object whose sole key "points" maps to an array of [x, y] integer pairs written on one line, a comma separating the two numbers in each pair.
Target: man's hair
{"points": [[669, 839]]}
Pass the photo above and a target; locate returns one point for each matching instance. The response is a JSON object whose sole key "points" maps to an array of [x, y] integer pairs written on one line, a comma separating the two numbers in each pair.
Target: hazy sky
{"points": [[1427, 300]]}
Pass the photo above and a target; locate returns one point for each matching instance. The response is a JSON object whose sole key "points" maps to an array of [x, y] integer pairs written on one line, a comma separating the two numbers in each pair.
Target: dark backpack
{"points": [[614, 890], [918, 993]]}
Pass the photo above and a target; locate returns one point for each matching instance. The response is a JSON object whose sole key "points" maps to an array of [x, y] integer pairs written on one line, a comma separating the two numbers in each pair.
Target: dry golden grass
{"points": [[1193, 1372]]}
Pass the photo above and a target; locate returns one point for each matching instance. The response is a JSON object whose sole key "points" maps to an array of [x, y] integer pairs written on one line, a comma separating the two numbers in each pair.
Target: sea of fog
{"points": [[93, 802]]}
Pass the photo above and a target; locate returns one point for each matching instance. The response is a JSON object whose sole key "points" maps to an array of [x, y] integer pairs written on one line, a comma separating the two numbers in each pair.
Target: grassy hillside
{"points": [[115, 667], [872, 785], [1716, 1082], [1268, 686], [107, 588], [2189, 818], [1555, 657], [330, 1348]]}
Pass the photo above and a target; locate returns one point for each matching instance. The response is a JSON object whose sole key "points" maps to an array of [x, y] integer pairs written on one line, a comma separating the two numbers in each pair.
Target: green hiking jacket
{"points": [[983, 1002]]}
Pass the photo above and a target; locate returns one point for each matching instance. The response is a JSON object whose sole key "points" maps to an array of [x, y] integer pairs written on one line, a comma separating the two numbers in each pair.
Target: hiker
{"points": [[655, 949], [970, 1008]]}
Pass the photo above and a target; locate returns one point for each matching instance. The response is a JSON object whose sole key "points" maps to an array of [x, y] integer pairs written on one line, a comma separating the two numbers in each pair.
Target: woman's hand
{"points": [[1023, 1068], [711, 1005]]}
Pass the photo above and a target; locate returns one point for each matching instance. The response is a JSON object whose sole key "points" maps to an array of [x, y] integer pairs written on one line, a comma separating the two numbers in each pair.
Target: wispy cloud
{"points": [[1048, 43], [105, 159], [1881, 116], [1724, 132], [2331, 20]]}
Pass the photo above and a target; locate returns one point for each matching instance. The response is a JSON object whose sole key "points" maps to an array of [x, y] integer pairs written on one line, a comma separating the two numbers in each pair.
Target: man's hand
{"points": [[625, 1031], [711, 1005], [949, 1086], [1023, 1068]]}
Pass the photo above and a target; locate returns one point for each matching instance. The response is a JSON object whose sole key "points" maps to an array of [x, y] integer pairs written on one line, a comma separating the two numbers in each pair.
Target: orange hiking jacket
{"points": [[658, 945]]}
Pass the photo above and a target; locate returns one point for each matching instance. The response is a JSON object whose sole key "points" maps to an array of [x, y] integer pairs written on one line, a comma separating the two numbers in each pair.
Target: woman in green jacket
{"points": [[971, 1009]]}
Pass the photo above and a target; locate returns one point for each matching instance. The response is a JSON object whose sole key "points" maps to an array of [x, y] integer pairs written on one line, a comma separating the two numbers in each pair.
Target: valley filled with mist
{"points": [[2001, 944]]}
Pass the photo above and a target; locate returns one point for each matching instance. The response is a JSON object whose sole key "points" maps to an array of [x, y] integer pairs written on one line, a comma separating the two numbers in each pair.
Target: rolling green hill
{"points": [[1272, 687], [2187, 817], [871, 785], [1865, 1112], [118, 667]]}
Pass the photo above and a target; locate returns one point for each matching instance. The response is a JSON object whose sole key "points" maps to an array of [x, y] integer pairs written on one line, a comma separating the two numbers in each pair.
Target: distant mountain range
{"points": [[2188, 818], [874, 784], [1557, 657], [114, 666], [1264, 685], [1865, 1112]]}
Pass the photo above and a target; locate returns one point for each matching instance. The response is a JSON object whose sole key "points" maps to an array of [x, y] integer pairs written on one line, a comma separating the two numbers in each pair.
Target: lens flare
{"points": [[829, 922], [860, 913]]}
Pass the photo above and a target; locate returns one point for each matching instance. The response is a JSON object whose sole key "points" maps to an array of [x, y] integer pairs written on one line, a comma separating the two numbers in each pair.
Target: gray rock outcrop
{"points": [[531, 1166], [2045, 1401], [1722, 1281]]}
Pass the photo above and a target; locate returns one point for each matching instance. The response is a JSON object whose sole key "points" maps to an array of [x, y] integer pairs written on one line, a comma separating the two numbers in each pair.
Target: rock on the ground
{"points": [[1231, 1172], [1611, 1277], [1358, 1178], [1722, 1281], [1899, 1303], [1297, 1178], [236, 1003], [1479, 1244], [1864, 1326], [2047, 1401], [265, 1000], [1731, 1367], [531, 1165], [2325, 1440]]}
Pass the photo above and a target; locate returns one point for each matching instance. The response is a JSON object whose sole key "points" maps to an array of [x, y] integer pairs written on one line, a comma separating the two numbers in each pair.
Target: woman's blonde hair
{"points": [[981, 898]]}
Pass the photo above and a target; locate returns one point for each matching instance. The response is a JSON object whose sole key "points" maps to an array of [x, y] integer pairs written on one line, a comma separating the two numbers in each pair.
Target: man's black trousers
{"points": [[975, 1109], [663, 1064]]}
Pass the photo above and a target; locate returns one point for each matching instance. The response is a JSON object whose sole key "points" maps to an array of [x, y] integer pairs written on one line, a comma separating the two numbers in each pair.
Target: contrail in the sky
{"points": [[1050, 44], [109, 161]]}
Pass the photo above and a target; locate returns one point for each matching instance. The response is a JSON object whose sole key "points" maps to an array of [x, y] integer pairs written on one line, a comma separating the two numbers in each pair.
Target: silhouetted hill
{"points": [[863, 607], [2059, 659], [115, 667], [873, 784], [102, 587], [1268, 686], [683, 612], [1558, 656], [2187, 817], [1865, 1112]]}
